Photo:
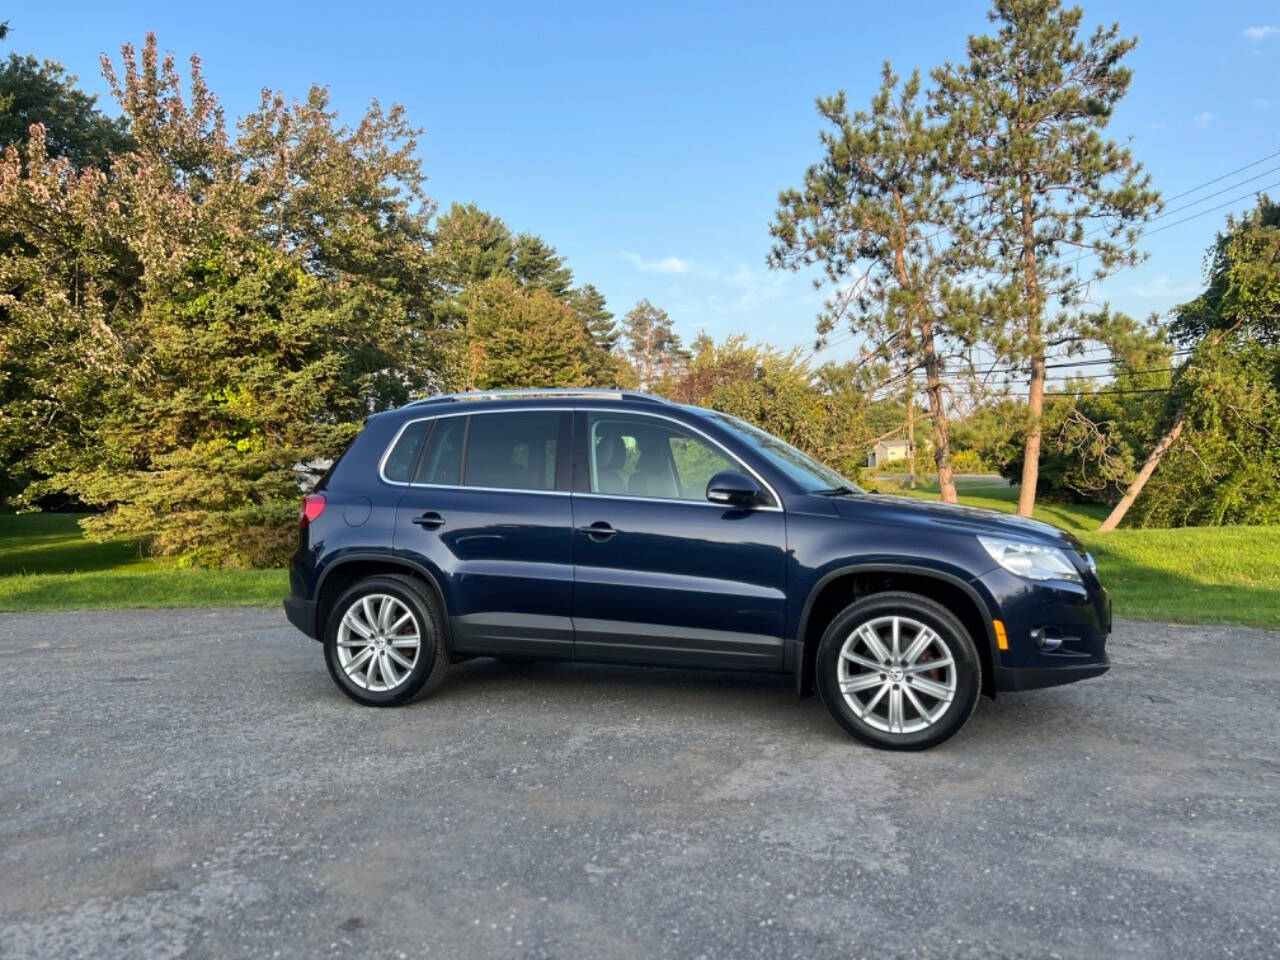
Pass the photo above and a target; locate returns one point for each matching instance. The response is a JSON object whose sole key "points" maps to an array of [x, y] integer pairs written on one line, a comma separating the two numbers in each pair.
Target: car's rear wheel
{"points": [[383, 641], [898, 671]]}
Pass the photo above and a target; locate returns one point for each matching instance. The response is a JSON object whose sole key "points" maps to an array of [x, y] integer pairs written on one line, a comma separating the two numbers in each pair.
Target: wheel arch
{"points": [[840, 587], [351, 568]]}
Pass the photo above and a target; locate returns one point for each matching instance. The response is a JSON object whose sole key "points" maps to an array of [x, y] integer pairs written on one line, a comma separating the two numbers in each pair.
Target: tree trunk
{"points": [[911, 432], [1031, 454], [1140, 481], [1035, 396], [937, 407]]}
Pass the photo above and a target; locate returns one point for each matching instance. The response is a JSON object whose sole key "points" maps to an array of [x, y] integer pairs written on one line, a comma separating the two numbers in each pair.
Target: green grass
{"points": [[1188, 575], [47, 564], [1184, 575]]}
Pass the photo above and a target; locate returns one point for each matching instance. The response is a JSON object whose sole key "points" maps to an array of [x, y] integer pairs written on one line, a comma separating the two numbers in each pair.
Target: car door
{"points": [[662, 575], [489, 509]]}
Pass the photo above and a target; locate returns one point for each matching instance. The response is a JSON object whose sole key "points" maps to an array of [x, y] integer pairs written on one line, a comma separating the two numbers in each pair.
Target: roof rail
{"points": [[535, 392]]}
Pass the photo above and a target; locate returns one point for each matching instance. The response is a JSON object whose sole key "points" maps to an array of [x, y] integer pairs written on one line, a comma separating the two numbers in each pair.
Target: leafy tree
{"points": [[35, 92], [875, 213], [776, 390], [652, 345], [237, 307], [1024, 116], [68, 286], [1225, 401]]}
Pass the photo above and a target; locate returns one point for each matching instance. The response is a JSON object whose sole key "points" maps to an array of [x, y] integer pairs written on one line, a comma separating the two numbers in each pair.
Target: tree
{"points": [[1225, 400], [535, 263], [653, 346], [1025, 116], [226, 311], [875, 213], [522, 337], [776, 390], [472, 245], [34, 92], [590, 306]]}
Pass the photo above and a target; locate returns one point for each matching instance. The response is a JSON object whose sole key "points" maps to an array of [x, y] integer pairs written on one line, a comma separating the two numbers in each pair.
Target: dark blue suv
{"points": [[617, 527]]}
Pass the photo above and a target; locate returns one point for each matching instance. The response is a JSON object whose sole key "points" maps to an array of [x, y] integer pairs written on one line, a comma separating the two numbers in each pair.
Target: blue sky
{"points": [[648, 142]]}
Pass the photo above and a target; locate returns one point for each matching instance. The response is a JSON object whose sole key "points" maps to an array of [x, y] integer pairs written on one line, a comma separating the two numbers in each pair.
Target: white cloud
{"points": [[1258, 34], [1202, 120], [1157, 127], [659, 265]]}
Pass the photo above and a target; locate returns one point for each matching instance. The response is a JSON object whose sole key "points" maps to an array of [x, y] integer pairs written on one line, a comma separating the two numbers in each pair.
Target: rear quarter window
{"points": [[400, 462]]}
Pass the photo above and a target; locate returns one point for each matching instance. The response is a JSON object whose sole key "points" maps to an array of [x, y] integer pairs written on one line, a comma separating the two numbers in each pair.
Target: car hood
{"points": [[952, 517]]}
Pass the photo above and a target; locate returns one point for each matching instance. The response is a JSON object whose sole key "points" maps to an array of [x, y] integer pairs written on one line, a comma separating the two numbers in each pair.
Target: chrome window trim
{"points": [[386, 454]]}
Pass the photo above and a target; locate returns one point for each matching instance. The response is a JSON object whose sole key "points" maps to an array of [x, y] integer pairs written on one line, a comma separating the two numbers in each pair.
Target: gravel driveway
{"points": [[190, 783]]}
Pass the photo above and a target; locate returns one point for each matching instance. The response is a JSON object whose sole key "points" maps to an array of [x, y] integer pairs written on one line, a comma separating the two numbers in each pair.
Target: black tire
{"points": [[952, 634], [432, 662]]}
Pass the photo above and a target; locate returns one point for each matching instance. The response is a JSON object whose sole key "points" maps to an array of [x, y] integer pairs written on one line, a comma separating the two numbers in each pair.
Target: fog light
{"points": [[1045, 642]]}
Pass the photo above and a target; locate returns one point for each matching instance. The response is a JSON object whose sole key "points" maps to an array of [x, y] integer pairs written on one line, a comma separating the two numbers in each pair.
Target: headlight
{"points": [[1031, 560]]}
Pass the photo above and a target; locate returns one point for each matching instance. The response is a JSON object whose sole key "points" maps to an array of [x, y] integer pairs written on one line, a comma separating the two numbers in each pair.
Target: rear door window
{"points": [[513, 451]]}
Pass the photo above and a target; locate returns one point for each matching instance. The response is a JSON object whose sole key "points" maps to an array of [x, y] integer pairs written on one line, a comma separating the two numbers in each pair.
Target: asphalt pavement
{"points": [[190, 783]]}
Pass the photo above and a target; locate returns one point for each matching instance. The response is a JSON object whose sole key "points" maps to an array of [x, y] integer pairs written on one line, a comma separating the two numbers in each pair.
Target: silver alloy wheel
{"points": [[378, 642], [896, 674]]}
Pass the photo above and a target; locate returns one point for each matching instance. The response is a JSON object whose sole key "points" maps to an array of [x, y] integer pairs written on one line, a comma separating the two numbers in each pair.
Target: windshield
{"points": [[812, 476]]}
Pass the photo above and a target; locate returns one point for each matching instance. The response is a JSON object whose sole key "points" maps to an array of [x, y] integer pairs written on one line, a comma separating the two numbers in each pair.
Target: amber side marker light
{"points": [[1002, 640]]}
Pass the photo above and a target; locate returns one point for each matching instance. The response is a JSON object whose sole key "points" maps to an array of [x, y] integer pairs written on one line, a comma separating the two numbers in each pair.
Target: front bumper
{"points": [[1011, 679], [302, 614], [1075, 617]]}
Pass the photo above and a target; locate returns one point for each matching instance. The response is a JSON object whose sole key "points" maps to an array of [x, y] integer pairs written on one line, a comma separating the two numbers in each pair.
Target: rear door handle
{"points": [[429, 520], [599, 531]]}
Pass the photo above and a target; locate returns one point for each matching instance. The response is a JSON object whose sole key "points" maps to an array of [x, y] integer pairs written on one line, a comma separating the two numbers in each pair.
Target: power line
{"points": [[1229, 203], [1216, 193], [1146, 231], [1110, 393], [1209, 183]]}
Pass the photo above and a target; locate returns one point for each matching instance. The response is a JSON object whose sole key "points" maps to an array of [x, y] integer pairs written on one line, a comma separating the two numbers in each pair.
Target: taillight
{"points": [[312, 507]]}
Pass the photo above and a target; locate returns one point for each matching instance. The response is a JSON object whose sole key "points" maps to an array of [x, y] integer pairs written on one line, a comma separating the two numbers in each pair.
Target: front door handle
{"points": [[598, 531], [429, 520]]}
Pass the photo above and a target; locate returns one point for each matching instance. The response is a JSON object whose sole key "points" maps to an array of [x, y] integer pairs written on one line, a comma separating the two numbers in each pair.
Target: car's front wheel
{"points": [[898, 671], [384, 641]]}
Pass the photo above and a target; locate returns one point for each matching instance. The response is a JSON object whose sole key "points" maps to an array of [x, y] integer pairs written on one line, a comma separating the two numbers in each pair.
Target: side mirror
{"points": [[733, 489]]}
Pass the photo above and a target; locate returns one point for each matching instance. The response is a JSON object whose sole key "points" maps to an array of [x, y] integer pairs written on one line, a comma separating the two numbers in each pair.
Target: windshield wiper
{"points": [[841, 491]]}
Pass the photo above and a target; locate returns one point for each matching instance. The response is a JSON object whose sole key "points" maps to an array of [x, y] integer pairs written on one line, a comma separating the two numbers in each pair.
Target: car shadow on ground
{"points": [[764, 700]]}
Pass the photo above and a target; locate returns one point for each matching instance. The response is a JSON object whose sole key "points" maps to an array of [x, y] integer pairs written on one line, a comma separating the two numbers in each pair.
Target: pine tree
{"points": [[471, 245], [590, 306], [523, 337], [536, 263], [653, 346], [1053, 205], [875, 213]]}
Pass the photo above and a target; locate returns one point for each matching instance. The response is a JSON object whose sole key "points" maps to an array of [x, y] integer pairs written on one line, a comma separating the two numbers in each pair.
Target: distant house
{"points": [[888, 451]]}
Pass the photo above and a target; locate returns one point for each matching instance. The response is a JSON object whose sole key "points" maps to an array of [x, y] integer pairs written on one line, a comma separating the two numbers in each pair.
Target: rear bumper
{"points": [[302, 614], [1010, 679]]}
